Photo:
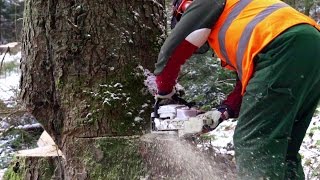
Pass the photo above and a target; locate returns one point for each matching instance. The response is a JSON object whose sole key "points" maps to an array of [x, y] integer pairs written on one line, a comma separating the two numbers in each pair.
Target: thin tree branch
{"points": [[8, 49]]}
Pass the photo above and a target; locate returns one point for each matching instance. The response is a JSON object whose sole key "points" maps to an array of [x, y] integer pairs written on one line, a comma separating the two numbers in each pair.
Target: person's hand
{"points": [[166, 98], [211, 120], [226, 112], [214, 117], [161, 96]]}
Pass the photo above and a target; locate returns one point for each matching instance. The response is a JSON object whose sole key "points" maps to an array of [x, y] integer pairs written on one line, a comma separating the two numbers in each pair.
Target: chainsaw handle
{"points": [[182, 101], [156, 107], [175, 98], [155, 114]]}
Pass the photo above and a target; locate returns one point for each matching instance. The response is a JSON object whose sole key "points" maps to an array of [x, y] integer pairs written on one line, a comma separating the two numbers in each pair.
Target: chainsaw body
{"points": [[179, 119]]}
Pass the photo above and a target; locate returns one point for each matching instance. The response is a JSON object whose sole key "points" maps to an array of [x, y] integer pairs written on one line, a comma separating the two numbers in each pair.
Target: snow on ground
{"points": [[10, 80], [8, 84], [2, 172], [310, 150]]}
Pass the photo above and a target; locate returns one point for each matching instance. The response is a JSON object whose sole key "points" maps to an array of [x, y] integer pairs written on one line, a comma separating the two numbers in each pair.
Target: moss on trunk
{"points": [[31, 168], [114, 158]]}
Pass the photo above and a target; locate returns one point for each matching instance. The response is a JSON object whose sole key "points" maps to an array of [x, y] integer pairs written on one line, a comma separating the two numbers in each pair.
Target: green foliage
{"points": [[20, 168], [23, 139], [18, 140], [16, 170], [11, 175], [205, 81]]}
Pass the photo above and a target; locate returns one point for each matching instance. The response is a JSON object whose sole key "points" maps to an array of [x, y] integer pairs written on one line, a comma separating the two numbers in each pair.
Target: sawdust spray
{"points": [[169, 157]]}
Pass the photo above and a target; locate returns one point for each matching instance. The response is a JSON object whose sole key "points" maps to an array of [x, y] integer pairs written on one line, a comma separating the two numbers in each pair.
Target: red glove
{"points": [[233, 102]]}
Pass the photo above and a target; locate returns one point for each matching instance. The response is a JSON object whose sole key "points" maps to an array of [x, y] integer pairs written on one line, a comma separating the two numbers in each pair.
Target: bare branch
{"points": [[8, 49]]}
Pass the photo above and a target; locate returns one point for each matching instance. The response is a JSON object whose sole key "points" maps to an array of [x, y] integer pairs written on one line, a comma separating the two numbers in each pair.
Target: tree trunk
{"points": [[82, 79]]}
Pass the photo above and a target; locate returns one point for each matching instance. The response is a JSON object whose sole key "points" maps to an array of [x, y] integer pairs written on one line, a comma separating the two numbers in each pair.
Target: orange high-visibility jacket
{"points": [[245, 27]]}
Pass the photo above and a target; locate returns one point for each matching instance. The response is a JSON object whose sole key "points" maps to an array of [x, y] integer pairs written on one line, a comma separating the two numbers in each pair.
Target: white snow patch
{"points": [[138, 119], [2, 172], [10, 81]]}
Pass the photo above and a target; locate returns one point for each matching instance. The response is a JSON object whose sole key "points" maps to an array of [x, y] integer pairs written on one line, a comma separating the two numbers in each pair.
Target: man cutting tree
{"points": [[275, 51]]}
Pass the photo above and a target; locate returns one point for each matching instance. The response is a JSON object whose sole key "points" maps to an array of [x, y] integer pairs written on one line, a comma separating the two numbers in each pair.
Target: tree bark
{"points": [[82, 77]]}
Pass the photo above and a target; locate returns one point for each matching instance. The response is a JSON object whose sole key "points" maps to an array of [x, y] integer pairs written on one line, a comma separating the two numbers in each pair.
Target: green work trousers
{"points": [[278, 105]]}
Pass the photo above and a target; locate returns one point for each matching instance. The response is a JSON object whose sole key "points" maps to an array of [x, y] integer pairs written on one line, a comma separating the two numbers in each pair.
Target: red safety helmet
{"points": [[183, 6], [179, 7]]}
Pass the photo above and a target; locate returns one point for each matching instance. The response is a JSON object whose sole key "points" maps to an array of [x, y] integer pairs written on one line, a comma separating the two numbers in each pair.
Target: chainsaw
{"points": [[182, 119]]}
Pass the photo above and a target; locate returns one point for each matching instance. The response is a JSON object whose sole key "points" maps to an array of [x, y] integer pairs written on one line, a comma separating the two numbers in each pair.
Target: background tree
{"points": [[205, 82], [11, 12], [82, 78]]}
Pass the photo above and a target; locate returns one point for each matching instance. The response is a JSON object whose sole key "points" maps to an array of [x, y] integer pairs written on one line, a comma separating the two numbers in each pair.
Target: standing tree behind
{"points": [[82, 79]]}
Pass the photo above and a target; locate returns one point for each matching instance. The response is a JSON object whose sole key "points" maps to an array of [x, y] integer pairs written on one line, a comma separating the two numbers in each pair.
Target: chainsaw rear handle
{"points": [[176, 99], [180, 100], [155, 108], [155, 114]]}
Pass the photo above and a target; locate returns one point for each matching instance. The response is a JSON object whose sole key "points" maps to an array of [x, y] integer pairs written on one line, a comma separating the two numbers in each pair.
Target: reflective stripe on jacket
{"points": [[245, 27]]}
